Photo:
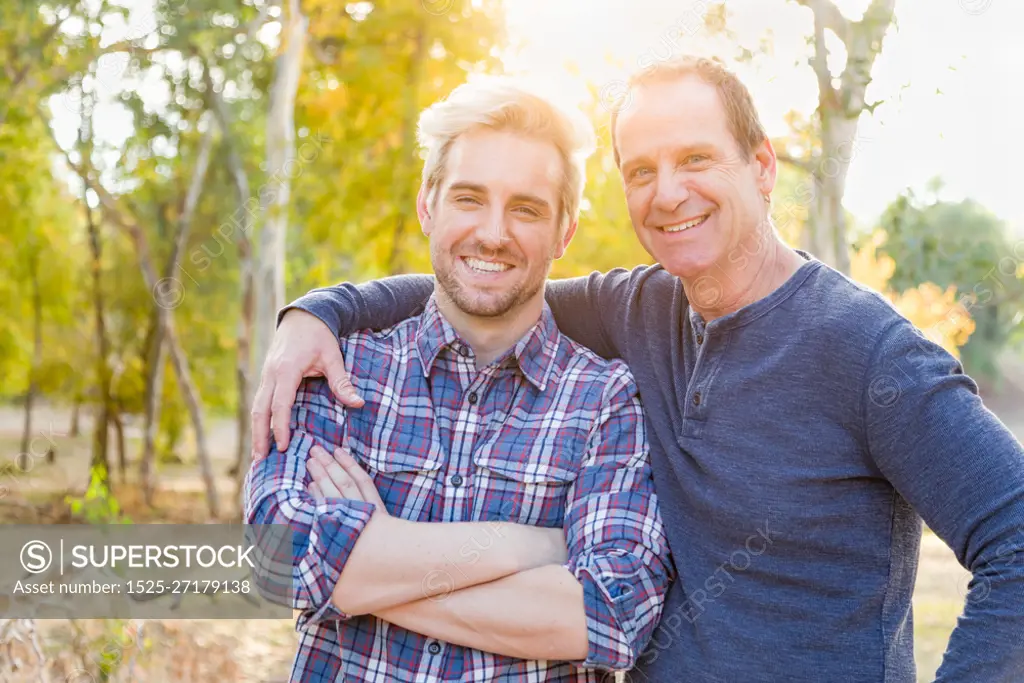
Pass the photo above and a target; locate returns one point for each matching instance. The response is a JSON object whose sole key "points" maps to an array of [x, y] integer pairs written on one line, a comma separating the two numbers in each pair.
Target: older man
{"points": [[801, 428], [434, 550]]}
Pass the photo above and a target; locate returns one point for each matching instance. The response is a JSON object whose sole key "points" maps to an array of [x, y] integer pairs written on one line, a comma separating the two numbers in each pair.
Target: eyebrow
{"points": [[520, 197], [678, 151]]}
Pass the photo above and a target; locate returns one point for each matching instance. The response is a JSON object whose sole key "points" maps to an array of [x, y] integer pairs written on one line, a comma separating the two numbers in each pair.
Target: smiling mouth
{"points": [[686, 225], [486, 267]]}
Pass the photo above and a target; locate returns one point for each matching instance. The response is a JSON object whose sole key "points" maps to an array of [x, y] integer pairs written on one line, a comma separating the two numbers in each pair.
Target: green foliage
{"points": [[964, 245], [355, 197], [605, 237], [97, 505]]}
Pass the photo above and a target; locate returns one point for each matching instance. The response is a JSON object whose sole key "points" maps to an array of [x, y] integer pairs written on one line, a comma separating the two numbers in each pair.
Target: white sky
{"points": [[970, 135]]}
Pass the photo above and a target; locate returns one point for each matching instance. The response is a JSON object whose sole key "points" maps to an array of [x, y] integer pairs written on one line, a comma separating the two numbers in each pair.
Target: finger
{"points": [[281, 406], [363, 481], [339, 381], [316, 492], [322, 480], [345, 484], [261, 419]]}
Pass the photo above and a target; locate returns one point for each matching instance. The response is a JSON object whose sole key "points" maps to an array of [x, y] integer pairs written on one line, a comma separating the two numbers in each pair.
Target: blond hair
{"points": [[502, 103], [744, 122]]}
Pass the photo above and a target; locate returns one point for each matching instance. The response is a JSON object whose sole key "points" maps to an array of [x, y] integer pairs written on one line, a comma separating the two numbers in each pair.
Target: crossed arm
{"points": [[534, 614], [387, 561], [591, 596]]}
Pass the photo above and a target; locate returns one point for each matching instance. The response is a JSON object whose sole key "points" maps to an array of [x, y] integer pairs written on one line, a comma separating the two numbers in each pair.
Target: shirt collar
{"points": [[535, 351]]}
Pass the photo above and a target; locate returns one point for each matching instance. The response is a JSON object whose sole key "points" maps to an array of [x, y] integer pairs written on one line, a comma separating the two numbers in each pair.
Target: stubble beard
{"points": [[483, 306]]}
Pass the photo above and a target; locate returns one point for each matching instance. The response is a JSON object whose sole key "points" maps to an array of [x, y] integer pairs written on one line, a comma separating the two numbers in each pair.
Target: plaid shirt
{"points": [[549, 435]]}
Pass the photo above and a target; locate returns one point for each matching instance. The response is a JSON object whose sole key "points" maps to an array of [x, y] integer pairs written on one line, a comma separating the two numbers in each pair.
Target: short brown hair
{"points": [[744, 122]]}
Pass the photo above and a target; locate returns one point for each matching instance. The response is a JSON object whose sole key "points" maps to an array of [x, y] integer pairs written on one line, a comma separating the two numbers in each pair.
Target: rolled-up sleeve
{"points": [[616, 540], [323, 532]]}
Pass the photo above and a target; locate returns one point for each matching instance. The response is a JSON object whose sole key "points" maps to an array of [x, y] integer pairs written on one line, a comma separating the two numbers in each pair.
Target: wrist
{"points": [[537, 547]]}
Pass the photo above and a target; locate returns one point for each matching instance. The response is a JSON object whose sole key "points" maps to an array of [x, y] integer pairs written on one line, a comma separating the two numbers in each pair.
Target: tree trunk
{"points": [[244, 225], [75, 409], [166, 298], [269, 265], [180, 363], [37, 357], [100, 458], [122, 461], [195, 410], [243, 369], [826, 225], [155, 357], [839, 109]]}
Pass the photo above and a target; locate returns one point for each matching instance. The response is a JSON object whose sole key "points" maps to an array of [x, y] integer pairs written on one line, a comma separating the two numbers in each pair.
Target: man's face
{"points": [[692, 197], [494, 224]]}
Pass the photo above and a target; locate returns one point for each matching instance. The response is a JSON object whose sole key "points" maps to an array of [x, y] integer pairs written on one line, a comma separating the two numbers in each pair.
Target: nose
{"points": [[670, 191], [493, 233]]}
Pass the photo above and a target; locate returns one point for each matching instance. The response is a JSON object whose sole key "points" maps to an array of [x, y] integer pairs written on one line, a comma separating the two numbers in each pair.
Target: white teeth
{"points": [[684, 226], [486, 266]]}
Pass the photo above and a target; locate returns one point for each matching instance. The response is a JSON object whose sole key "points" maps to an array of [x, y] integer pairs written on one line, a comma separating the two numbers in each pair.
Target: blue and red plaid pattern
{"points": [[549, 435]]}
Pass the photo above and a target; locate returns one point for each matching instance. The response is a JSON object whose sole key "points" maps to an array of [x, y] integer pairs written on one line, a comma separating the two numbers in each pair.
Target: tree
{"points": [[357, 110], [275, 201], [961, 245], [841, 101], [936, 311]]}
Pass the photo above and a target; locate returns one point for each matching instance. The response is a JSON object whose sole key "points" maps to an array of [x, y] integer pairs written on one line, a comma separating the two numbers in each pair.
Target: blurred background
{"points": [[172, 172]]}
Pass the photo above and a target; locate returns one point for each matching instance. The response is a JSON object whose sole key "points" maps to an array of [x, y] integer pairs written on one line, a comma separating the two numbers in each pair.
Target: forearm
{"points": [[396, 561], [534, 614], [348, 307], [988, 642], [323, 535]]}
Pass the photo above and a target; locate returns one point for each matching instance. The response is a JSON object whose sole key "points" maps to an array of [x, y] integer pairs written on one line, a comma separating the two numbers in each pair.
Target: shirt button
{"points": [[463, 350], [434, 648], [700, 339], [473, 398], [456, 480], [696, 399]]}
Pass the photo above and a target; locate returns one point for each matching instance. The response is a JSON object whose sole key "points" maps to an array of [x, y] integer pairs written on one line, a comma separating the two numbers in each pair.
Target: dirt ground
{"points": [[261, 651]]}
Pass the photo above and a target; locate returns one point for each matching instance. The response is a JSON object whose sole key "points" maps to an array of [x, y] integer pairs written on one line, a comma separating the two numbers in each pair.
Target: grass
{"points": [[938, 600]]}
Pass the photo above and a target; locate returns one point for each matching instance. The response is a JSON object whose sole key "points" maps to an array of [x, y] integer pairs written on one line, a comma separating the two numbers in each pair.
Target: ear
{"points": [[423, 211], [767, 168], [563, 244]]}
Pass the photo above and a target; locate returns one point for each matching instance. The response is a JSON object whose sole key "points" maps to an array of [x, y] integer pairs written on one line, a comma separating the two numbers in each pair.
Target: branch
{"points": [[195, 190], [862, 47], [18, 77], [110, 204], [216, 103], [828, 15]]}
